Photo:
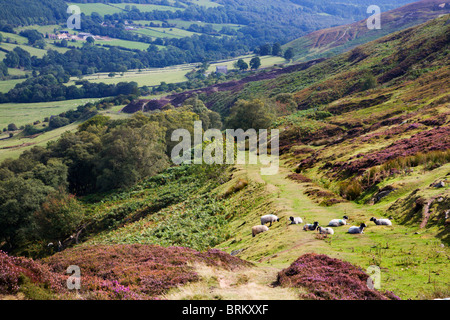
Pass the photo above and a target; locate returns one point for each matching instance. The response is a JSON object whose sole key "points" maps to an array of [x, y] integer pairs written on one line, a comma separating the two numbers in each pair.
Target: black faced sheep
{"points": [[381, 222], [326, 230], [311, 227], [338, 222], [359, 229], [296, 220]]}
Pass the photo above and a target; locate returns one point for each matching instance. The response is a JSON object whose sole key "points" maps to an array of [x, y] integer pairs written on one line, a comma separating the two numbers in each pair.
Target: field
{"points": [[25, 113], [266, 61], [205, 3], [186, 24], [123, 43], [13, 38], [42, 29], [12, 148], [172, 74], [33, 51], [100, 8], [7, 85], [146, 7], [164, 32], [147, 77]]}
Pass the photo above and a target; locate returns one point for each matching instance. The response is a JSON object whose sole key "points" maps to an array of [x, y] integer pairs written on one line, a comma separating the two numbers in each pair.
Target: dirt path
{"points": [[255, 283]]}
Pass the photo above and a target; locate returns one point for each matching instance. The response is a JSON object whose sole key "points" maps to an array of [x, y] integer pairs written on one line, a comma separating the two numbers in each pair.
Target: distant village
{"points": [[65, 35]]}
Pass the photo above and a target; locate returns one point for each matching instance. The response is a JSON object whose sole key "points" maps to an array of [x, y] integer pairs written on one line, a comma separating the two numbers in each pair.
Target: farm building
{"points": [[222, 69]]}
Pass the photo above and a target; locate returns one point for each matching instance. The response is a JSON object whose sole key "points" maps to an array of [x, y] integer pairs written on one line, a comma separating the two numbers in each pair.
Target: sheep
{"points": [[338, 222], [381, 222], [325, 230], [359, 229], [269, 218], [296, 220], [259, 229], [311, 227]]}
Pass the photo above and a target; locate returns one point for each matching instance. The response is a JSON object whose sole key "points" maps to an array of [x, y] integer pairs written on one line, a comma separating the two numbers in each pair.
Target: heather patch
{"points": [[17, 271], [136, 272], [329, 279]]}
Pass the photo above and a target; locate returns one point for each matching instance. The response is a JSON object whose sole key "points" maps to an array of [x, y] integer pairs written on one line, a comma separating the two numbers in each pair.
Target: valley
{"points": [[87, 173]]}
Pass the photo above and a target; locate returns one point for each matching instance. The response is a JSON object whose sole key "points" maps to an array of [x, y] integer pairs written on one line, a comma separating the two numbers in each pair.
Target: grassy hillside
{"points": [[370, 138], [331, 41]]}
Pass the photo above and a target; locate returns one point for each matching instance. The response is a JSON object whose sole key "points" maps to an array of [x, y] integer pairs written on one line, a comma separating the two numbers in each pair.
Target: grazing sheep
{"points": [[269, 218], [381, 222], [296, 220], [259, 229], [359, 229], [338, 222], [311, 227], [325, 230]]}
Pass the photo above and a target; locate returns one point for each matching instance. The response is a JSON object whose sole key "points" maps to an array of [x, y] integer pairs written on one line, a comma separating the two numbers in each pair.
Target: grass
{"points": [[100, 8], [164, 32], [186, 24], [205, 3], [25, 113], [7, 85], [147, 7], [24, 143], [13, 37], [42, 29], [388, 247], [123, 43], [147, 77], [33, 51]]}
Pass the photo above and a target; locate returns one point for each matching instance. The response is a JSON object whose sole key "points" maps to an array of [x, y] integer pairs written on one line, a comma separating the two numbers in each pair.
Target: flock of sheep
{"points": [[271, 218]]}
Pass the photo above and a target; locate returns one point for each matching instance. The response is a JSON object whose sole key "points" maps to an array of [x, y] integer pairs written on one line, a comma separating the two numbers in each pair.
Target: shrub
{"points": [[329, 279]]}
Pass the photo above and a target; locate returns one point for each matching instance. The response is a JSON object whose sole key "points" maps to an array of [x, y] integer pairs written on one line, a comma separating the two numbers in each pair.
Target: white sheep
{"points": [[311, 227], [269, 218], [259, 229], [338, 222], [359, 229], [326, 230], [296, 220], [381, 222]]}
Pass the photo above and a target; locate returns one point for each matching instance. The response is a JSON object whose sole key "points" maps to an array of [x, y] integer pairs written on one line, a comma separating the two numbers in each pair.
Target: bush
{"points": [[329, 279], [12, 127], [58, 121]]}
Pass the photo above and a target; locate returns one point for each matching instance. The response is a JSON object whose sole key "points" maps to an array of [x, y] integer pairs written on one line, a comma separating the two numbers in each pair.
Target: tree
{"points": [[265, 50], [289, 54], [255, 63], [90, 40], [253, 114], [58, 122], [12, 59], [130, 154], [59, 215], [41, 44], [241, 65], [12, 127], [276, 49], [19, 198]]}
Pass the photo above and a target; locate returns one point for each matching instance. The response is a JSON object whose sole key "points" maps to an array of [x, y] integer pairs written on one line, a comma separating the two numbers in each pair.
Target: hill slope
{"points": [[328, 42]]}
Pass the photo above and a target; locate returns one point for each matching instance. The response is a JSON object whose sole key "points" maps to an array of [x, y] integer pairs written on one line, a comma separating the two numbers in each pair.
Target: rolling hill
{"points": [[331, 41], [369, 137]]}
